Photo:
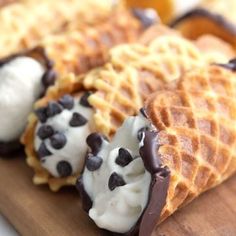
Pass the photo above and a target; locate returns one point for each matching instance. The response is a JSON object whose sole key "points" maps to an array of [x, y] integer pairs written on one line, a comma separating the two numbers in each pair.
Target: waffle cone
{"points": [[20, 21], [87, 46], [196, 133], [120, 88]]}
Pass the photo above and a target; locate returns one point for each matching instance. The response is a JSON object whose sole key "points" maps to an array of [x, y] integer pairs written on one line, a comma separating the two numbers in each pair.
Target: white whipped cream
{"points": [[20, 86], [75, 149], [118, 210], [183, 6]]}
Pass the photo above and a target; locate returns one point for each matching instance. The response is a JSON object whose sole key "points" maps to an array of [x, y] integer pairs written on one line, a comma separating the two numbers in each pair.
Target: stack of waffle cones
{"points": [[121, 86], [195, 120], [20, 21]]}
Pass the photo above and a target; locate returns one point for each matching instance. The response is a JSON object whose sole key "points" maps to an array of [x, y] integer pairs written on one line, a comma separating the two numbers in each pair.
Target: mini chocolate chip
{"points": [[45, 131], [43, 151], [93, 162], [147, 16], [53, 109], [67, 101], [141, 133], [231, 65], [94, 141], [49, 78], [124, 157], [41, 113], [115, 180], [64, 169], [77, 120], [84, 99], [58, 140]]}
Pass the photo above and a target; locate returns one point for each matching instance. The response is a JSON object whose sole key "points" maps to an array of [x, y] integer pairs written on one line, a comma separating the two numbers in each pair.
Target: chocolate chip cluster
{"points": [[58, 139]]}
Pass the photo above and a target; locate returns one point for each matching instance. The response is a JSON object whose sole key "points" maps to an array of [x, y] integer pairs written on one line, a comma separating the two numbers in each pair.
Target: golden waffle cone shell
{"points": [[120, 89], [196, 133], [135, 71], [87, 47], [20, 21]]}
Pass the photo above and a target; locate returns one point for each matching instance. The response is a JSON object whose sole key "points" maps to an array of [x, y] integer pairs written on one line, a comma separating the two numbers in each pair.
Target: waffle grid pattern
{"points": [[196, 123], [135, 70], [20, 21], [87, 47]]}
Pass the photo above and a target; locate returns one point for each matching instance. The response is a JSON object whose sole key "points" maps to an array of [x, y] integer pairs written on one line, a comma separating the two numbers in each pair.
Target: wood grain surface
{"points": [[36, 211]]}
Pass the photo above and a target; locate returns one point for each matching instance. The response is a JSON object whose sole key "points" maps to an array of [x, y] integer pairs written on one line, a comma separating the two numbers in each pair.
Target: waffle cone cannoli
{"points": [[214, 17], [180, 145], [20, 21], [72, 51], [99, 101]]}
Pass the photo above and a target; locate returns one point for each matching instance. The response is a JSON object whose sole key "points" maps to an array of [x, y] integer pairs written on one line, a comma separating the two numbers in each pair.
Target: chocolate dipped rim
{"points": [[212, 23], [48, 79], [158, 186], [231, 65]]}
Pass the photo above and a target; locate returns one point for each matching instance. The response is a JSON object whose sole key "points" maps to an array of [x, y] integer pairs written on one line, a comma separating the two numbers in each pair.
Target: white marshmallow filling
{"points": [[116, 180], [20, 86], [60, 135]]}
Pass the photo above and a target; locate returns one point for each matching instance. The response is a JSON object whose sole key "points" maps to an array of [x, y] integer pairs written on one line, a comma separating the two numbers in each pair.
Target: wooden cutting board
{"points": [[36, 211]]}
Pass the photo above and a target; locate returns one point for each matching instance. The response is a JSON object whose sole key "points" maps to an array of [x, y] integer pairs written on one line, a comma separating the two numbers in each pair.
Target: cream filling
{"points": [[118, 210], [20, 86], [74, 151]]}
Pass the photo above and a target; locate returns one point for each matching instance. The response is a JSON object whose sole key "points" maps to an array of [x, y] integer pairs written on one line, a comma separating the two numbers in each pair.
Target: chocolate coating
{"points": [[231, 65], [77, 120], [214, 17], [115, 181], [141, 133], [49, 78], [93, 163], [8, 148], [67, 101], [145, 17], [64, 169]]}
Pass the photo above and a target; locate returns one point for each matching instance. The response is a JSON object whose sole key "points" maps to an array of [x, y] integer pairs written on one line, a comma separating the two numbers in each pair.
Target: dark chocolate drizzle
{"points": [[142, 15], [217, 18], [48, 79], [157, 192], [231, 65]]}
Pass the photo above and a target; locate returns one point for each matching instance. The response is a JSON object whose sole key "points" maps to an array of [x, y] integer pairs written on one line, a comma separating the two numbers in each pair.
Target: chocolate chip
{"points": [[49, 78], [58, 140], [43, 151], [147, 16], [45, 131], [41, 113], [64, 169], [77, 120], [93, 162], [141, 133], [84, 99], [67, 102], [231, 65], [124, 157], [115, 180], [94, 141], [53, 109]]}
